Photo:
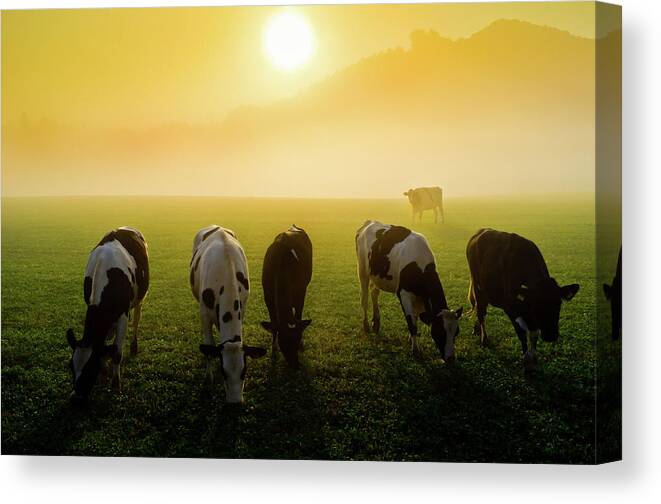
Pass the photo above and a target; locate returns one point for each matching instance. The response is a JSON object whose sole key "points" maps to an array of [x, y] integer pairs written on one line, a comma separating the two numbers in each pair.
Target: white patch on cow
{"points": [[80, 357], [522, 323], [293, 252], [233, 362], [107, 256]]}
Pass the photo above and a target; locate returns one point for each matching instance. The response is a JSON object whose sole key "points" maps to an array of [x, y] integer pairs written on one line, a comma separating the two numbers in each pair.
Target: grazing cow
{"points": [[613, 293], [426, 198], [219, 280], [286, 274], [395, 259], [116, 281], [509, 272]]}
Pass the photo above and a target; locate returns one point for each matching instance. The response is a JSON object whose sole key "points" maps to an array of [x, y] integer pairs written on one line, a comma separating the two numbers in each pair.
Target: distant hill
{"points": [[509, 109]]}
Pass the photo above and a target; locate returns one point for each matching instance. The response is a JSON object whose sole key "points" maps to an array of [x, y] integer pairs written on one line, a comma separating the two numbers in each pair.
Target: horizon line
{"points": [[339, 198]]}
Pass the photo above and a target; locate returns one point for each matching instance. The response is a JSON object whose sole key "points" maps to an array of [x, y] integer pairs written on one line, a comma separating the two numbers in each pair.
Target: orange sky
{"points": [[134, 67], [89, 95]]}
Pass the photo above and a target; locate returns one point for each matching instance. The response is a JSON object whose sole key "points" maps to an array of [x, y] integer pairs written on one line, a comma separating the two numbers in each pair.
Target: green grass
{"points": [[358, 396]]}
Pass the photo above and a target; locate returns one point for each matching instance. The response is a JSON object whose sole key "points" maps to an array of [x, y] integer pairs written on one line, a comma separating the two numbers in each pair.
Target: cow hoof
{"points": [[416, 353], [376, 326], [366, 327], [134, 348], [484, 342]]}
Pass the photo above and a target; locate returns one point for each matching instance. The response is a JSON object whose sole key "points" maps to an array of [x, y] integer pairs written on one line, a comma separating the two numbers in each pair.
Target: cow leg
{"points": [[440, 209], [480, 325], [299, 301], [122, 325], [364, 278], [137, 311], [532, 337], [525, 335], [435, 215], [376, 314], [407, 300], [207, 319]]}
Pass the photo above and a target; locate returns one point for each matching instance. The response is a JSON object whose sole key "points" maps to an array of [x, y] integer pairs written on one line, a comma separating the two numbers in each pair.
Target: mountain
{"points": [[510, 108]]}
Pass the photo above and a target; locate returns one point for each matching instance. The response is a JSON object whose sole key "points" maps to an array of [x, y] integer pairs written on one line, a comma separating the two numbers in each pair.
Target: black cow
{"points": [[613, 293], [509, 272], [286, 274], [116, 282]]}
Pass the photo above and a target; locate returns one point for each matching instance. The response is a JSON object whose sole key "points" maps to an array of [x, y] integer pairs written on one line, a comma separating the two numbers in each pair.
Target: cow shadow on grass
{"points": [[477, 410], [279, 418]]}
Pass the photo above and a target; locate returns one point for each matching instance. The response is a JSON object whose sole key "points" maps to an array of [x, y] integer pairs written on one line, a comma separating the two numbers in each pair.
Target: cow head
{"points": [[540, 306], [444, 330], [85, 364], [614, 295], [408, 194], [233, 364], [289, 337]]}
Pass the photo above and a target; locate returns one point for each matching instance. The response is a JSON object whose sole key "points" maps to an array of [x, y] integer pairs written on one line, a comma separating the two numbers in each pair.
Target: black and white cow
{"points": [[509, 272], [116, 282], [613, 293], [426, 198], [286, 274], [219, 280], [396, 259]]}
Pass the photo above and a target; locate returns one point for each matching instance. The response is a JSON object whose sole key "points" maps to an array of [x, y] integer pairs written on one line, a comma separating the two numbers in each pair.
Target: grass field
{"points": [[357, 396]]}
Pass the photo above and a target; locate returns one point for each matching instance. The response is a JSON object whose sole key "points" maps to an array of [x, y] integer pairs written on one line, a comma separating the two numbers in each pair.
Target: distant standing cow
{"points": [[286, 274], [116, 282], [613, 293], [426, 198], [219, 280], [509, 272], [395, 259]]}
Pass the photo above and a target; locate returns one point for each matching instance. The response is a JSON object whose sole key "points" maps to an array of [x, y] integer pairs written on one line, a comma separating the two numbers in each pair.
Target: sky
{"points": [[148, 66], [139, 69]]}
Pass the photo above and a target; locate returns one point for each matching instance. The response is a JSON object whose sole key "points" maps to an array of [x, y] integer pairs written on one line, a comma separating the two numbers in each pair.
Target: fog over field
{"points": [[506, 107]]}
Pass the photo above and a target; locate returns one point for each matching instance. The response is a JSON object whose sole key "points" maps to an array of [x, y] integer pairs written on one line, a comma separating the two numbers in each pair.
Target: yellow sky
{"points": [[187, 101], [140, 67]]}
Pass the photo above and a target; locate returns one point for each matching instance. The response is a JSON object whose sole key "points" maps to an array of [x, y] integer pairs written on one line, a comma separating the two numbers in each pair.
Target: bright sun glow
{"points": [[288, 40]]}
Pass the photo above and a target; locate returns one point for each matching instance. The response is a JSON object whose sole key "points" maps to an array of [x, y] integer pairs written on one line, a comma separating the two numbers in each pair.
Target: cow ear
{"points": [[458, 312], [425, 318], [109, 351], [209, 350], [304, 323], [608, 291], [71, 339], [569, 291], [254, 352], [267, 325]]}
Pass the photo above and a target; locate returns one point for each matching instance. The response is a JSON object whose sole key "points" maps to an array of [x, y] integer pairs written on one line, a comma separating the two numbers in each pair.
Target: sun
{"points": [[288, 40]]}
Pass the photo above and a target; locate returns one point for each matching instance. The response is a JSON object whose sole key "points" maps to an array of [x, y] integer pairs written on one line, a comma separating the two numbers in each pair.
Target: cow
{"points": [[286, 273], [613, 293], [509, 272], [426, 198], [396, 259], [219, 281], [116, 282]]}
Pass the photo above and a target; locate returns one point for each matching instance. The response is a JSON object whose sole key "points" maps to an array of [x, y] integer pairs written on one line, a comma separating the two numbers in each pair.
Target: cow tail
{"points": [[471, 296]]}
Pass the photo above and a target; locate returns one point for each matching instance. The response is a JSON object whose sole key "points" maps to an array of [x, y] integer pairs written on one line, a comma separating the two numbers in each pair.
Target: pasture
{"points": [[357, 396]]}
